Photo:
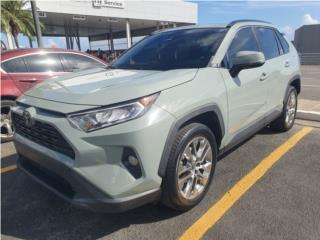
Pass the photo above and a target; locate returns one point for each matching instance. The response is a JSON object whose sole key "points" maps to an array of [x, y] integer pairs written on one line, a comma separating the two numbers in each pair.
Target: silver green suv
{"points": [[152, 125]]}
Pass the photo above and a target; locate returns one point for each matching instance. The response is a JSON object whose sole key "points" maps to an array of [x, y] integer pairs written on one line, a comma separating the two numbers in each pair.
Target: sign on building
{"points": [[108, 3]]}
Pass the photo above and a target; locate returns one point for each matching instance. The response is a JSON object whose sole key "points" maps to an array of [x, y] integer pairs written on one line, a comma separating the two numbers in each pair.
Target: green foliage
{"points": [[15, 19]]}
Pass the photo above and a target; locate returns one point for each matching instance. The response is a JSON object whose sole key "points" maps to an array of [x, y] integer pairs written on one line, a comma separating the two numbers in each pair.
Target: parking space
{"points": [[282, 204]]}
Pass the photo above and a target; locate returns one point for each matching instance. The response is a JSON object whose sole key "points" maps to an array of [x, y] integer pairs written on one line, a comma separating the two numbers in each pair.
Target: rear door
{"points": [[27, 71], [287, 67], [274, 66], [43, 66], [247, 92], [17, 71]]}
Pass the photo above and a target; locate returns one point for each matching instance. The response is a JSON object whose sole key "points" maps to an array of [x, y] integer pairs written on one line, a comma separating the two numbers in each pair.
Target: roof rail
{"points": [[245, 20]]}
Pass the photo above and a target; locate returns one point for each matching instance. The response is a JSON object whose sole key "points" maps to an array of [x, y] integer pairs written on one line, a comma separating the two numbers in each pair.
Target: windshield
{"points": [[183, 48]]}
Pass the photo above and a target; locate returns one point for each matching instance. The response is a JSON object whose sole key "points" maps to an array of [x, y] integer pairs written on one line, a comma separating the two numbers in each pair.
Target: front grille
{"points": [[43, 134]]}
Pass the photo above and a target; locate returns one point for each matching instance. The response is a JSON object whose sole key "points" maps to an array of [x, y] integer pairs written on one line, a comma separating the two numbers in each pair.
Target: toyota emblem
{"points": [[28, 120]]}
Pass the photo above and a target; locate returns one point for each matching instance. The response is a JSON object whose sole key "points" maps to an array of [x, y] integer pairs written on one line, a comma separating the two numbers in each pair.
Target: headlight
{"points": [[105, 117]]}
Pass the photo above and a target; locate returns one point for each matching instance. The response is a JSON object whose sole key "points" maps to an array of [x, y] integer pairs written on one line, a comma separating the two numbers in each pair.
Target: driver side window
{"points": [[244, 40]]}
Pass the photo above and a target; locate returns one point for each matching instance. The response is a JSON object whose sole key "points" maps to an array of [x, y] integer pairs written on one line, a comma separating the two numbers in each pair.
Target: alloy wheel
{"points": [[291, 108], [194, 167], [6, 123]]}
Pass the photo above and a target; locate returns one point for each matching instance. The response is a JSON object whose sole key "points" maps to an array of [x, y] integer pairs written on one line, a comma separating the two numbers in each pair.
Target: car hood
{"points": [[103, 87]]}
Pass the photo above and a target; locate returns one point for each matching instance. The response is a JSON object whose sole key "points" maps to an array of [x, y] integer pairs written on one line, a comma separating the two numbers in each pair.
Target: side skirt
{"points": [[249, 132]]}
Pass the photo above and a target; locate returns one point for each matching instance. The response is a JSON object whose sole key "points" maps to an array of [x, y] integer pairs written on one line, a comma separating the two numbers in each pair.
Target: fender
{"points": [[176, 126], [295, 77]]}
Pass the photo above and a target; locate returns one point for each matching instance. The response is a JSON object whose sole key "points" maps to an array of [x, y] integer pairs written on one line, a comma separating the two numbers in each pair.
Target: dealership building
{"points": [[110, 20], [307, 43]]}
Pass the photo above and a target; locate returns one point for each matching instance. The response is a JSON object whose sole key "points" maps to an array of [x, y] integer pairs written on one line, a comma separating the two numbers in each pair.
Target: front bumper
{"points": [[96, 178], [70, 185]]}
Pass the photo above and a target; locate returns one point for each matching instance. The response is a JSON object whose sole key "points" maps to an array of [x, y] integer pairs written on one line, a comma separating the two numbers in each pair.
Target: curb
{"points": [[308, 115]]}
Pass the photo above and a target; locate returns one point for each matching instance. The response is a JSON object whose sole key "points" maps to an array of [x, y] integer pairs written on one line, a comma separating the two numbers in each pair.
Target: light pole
{"points": [[36, 23], [128, 31]]}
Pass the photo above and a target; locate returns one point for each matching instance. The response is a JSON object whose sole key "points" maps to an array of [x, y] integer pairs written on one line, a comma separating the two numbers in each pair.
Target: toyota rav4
{"points": [[151, 126]]}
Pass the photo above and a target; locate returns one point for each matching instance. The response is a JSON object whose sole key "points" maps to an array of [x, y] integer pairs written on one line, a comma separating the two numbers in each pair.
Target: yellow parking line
{"points": [[208, 220], [8, 169]]}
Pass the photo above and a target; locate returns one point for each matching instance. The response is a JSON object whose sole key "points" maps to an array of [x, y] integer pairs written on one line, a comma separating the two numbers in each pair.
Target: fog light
{"points": [[131, 162]]}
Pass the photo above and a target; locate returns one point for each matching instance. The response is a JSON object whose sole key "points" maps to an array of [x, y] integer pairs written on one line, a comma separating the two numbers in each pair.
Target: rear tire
{"points": [[288, 115], [190, 167], [6, 123]]}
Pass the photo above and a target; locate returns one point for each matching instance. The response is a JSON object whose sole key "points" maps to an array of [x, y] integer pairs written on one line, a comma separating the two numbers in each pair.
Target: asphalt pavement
{"points": [[282, 204], [309, 98], [310, 83]]}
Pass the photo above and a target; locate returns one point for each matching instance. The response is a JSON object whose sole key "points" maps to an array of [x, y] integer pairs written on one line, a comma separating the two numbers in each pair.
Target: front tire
{"points": [[286, 119], [190, 167], [6, 123]]}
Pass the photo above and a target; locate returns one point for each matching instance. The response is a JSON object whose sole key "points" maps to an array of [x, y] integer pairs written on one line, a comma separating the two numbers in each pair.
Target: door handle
{"points": [[287, 64], [264, 76], [28, 80]]}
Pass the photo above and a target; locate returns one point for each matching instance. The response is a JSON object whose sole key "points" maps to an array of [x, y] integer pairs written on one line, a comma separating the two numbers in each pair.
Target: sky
{"points": [[286, 15]]}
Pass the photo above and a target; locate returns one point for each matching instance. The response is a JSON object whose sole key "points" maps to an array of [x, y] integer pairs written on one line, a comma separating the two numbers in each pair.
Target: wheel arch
{"points": [[296, 83], [209, 115]]}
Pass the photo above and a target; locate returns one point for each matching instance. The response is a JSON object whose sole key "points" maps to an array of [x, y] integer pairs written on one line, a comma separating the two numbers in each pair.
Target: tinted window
{"points": [[283, 41], [14, 66], [243, 41], [75, 62], [268, 43], [43, 63], [279, 46], [187, 48]]}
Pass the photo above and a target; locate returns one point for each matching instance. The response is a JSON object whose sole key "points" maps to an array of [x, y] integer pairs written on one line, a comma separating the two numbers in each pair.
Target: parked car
{"points": [[151, 126], [21, 69]]}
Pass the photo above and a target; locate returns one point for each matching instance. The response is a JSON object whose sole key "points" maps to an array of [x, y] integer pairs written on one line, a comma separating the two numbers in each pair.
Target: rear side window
{"points": [[279, 46], [16, 65], [243, 41], [268, 42], [43, 63], [76, 62], [284, 43]]}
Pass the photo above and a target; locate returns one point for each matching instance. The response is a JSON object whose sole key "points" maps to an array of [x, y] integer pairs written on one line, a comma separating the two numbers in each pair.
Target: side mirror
{"points": [[246, 60]]}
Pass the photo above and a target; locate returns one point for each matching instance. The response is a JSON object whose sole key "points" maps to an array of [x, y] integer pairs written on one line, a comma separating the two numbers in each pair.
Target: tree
{"points": [[15, 19]]}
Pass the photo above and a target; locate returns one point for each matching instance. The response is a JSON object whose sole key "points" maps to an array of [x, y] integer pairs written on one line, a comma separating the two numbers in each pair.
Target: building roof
{"points": [[95, 17]]}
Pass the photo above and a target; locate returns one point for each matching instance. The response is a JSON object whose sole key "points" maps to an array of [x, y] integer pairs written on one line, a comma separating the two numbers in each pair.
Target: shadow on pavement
{"points": [[264, 131], [29, 211]]}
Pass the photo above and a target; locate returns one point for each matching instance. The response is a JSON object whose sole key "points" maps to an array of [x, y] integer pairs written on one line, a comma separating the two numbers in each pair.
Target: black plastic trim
{"points": [[43, 134], [176, 126], [251, 130], [296, 77], [135, 171]]}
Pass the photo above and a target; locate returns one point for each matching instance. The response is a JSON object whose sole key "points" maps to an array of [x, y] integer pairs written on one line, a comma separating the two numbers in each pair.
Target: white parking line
{"points": [[316, 86], [317, 72], [308, 115]]}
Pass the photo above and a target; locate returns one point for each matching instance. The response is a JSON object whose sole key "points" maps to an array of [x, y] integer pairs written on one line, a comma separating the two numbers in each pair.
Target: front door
{"points": [[247, 92]]}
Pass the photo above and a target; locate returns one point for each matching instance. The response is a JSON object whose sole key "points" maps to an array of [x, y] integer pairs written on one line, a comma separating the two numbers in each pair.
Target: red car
{"points": [[21, 69]]}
